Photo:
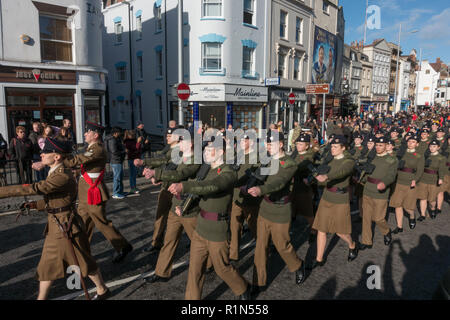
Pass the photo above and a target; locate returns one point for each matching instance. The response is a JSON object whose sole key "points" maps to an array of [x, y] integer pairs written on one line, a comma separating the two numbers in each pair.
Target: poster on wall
{"points": [[93, 116], [324, 57]]}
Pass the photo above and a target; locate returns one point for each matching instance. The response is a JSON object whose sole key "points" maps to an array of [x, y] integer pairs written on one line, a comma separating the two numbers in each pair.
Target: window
{"points": [[56, 39], [140, 68], [211, 56], [212, 8], [160, 109], [298, 30], [139, 27], [159, 64], [297, 68], [283, 24], [248, 60], [121, 72], [427, 72], [326, 7], [118, 29], [249, 12], [158, 19], [281, 65]]}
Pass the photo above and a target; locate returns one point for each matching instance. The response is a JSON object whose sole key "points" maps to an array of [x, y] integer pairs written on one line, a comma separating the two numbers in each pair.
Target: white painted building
{"points": [[404, 73], [224, 62], [379, 54], [51, 63], [427, 82]]}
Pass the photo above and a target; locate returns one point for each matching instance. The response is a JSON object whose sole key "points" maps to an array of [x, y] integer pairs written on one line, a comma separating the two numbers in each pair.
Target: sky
{"points": [[430, 18]]}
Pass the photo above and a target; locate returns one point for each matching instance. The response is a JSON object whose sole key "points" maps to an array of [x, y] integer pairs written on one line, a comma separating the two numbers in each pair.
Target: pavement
{"points": [[410, 268]]}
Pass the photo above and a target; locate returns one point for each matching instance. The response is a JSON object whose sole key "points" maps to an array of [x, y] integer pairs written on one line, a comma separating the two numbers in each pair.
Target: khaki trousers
{"points": [[175, 226], [201, 249], [238, 216], [282, 241], [162, 213], [95, 215], [373, 210]]}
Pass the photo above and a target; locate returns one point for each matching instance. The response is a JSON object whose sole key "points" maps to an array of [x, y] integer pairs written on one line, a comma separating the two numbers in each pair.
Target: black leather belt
{"points": [[408, 170], [373, 180], [61, 209], [284, 200], [338, 190]]}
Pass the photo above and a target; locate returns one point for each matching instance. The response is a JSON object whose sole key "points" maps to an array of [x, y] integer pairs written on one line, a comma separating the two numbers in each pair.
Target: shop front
{"points": [[219, 105], [50, 96], [381, 103], [280, 109]]}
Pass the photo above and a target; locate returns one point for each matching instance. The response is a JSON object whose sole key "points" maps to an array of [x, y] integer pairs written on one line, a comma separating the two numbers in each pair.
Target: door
{"points": [[213, 116]]}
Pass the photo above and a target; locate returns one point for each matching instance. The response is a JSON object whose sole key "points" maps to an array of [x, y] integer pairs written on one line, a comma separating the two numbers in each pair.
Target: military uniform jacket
{"points": [[423, 146], [338, 177], [242, 179], [413, 160], [302, 161], [276, 187], [216, 192], [94, 161], [161, 159], [438, 163], [386, 171], [185, 171], [358, 152], [59, 190]]}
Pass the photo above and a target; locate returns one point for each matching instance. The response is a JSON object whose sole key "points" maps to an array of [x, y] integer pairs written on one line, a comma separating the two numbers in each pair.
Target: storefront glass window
{"points": [[17, 101], [54, 101], [246, 117]]}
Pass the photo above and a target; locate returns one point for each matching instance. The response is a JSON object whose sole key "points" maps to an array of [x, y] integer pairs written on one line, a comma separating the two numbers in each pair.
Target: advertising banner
{"points": [[324, 57]]}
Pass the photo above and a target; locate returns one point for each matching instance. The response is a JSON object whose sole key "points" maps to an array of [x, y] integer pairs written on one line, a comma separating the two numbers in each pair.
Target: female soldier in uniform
{"points": [[333, 214]]}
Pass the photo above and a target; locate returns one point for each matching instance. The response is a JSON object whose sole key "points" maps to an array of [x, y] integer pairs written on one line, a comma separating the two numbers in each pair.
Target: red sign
{"points": [[317, 88], [291, 98], [183, 91]]}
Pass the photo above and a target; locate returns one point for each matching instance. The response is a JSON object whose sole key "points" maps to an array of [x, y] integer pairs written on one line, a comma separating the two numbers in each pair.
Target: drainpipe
{"points": [[131, 64]]}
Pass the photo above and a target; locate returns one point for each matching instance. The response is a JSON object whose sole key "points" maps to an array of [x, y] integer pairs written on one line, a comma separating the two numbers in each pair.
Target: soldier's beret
{"points": [[371, 138], [414, 137], [304, 138], [357, 136], [331, 136], [339, 139], [91, 126], [391, 142], [56, 146], [274, 136], [381, 140], [441, 130], [427, 130], [170, 130], [435, 142]]}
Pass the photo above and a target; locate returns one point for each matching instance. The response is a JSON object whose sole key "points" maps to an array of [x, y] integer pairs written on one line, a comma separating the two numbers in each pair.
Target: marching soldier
{"points": [[275, 215], [376, 194], [175, 222], [93, 193], [424, 142], [409, 172], [395, 133], [59, 191], [244, 206], [390, 148], [433, 176], [164, 197], [333, 214], [302, 202], [210, 237], [444, 187]]}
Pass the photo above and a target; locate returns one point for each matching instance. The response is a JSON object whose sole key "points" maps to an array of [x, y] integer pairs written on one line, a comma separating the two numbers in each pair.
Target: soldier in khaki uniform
{"points": [[164, 197], [376, 194], [409, 172], [302, 202], [59, 191], [440, 136], [333, 214], [275, 214], [175, 222], [433, 176], [425, 141], [93, 193], [210, 236], [244, 206]]}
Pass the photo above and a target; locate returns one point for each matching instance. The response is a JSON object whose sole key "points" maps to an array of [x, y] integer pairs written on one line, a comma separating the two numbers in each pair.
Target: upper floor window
{"points": [[121, 72], [326, 7], [297, 68], [427, 72], [159, 64], [249, 12], [118, 29], [140, 67], [212, 56], [212, 8], [282, 65], [56, 39], [139, 27], [298, 30], [248, 60], [158, 19], [283, 24]]}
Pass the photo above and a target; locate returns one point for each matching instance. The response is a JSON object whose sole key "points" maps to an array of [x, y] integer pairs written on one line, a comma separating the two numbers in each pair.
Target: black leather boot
{"points": [[412, 223], [388, 238], [397, 230], [353, 253], [433, 214], [421, 218], [300, 274]]}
